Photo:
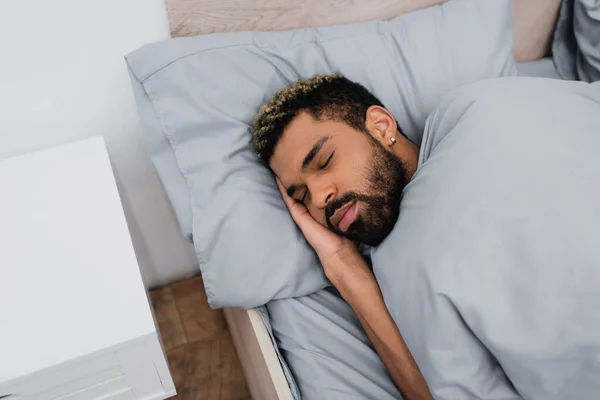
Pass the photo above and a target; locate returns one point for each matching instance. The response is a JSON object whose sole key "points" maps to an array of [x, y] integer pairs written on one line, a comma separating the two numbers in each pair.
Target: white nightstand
{"points": [[75, 321]]}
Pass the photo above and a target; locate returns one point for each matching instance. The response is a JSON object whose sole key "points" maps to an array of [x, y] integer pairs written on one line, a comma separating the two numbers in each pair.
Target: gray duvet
{"points": [[492, 272]]}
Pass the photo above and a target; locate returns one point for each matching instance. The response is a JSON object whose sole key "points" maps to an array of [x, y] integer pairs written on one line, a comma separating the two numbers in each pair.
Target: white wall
{"points": [[63, 78]]}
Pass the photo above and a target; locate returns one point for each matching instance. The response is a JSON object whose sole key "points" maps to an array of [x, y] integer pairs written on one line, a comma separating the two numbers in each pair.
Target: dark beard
{"points": [[386, 177]]}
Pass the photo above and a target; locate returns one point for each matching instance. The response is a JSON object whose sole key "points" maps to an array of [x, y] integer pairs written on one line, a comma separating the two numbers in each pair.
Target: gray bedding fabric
{"points": [[543, 68], [576, 42], [327, 350], [295, 328], [492, 272]]}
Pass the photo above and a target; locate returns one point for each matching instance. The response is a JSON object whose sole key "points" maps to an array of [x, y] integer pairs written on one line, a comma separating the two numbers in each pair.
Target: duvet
{"points": [[492, 271]]}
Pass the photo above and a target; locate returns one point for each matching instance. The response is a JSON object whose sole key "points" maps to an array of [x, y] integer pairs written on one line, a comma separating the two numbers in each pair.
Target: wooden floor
{"points": [[202, 359]]}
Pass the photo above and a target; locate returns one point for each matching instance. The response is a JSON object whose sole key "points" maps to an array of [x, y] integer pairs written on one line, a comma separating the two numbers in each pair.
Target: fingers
{"points": [[289, 202], [281, 189], [316, 234], [298, 211]]}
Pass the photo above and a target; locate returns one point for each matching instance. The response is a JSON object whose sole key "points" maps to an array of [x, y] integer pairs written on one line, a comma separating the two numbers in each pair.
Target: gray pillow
{"points": [[576, 42], [163, 158], [197, 97]]}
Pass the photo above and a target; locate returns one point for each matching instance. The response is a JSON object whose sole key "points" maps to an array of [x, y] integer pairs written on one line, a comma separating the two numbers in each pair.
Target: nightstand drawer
{"points": [[66, 379], [117, 388], [125, 373]]}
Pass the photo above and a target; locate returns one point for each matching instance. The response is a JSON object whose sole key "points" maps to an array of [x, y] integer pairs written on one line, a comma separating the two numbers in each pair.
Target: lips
{"points": [[344, 216]]}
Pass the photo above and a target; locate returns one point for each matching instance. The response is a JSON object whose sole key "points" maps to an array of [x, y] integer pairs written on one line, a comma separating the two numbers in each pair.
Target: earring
{"points": [[393, 140]]}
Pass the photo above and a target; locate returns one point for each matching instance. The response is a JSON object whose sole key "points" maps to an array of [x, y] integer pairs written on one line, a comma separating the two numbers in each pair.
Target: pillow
{"points": [[197, 97], [576, 43], [163, 158]]}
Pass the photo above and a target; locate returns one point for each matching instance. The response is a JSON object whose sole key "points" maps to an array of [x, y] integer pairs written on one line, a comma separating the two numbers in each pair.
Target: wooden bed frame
{"points": [[261, 366], [533, 27]]}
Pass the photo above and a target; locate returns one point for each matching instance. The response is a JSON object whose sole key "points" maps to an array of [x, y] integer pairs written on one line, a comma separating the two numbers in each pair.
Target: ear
{"points": [[381, 124]]}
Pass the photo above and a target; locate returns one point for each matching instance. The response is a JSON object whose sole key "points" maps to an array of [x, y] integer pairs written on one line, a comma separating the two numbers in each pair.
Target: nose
{"points": [[321, 192]]}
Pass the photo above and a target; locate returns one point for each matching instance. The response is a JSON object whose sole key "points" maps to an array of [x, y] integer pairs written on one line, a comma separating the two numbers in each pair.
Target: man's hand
{"points": [[336, 252], [325, 242]]}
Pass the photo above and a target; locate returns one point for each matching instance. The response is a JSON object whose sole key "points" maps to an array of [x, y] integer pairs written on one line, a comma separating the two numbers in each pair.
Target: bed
{"points": [[274, 341]]}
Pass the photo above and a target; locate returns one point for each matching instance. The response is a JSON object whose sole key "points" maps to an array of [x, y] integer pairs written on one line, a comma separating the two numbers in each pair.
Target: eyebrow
{"points": [[313, 152], [307, 160]]}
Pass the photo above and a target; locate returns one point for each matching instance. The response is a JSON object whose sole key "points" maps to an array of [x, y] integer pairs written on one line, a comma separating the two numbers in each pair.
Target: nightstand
{"points": [[75, 321]]}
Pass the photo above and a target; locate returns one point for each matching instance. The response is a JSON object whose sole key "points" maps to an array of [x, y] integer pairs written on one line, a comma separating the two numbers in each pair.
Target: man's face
{"points": [[346, 178]]}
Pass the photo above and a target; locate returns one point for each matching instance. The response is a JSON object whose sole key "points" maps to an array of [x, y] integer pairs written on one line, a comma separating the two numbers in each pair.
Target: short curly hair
{"points": [[331, 97]]}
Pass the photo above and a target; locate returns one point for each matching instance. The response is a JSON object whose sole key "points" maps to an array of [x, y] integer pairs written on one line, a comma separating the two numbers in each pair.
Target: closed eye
{"points": [[327, 162], [304, 196]]}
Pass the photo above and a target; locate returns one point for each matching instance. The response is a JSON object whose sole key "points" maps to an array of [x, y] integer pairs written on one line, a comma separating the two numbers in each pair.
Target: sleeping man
{"points": [[486, 246]]}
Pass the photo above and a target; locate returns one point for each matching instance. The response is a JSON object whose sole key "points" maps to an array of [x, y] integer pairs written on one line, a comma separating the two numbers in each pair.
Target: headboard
{"points": [[195, 17], [534, 19]]}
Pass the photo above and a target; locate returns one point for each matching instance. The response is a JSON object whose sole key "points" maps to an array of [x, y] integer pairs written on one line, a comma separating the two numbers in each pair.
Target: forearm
{"points": [[358, 287], [389, 344]]}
